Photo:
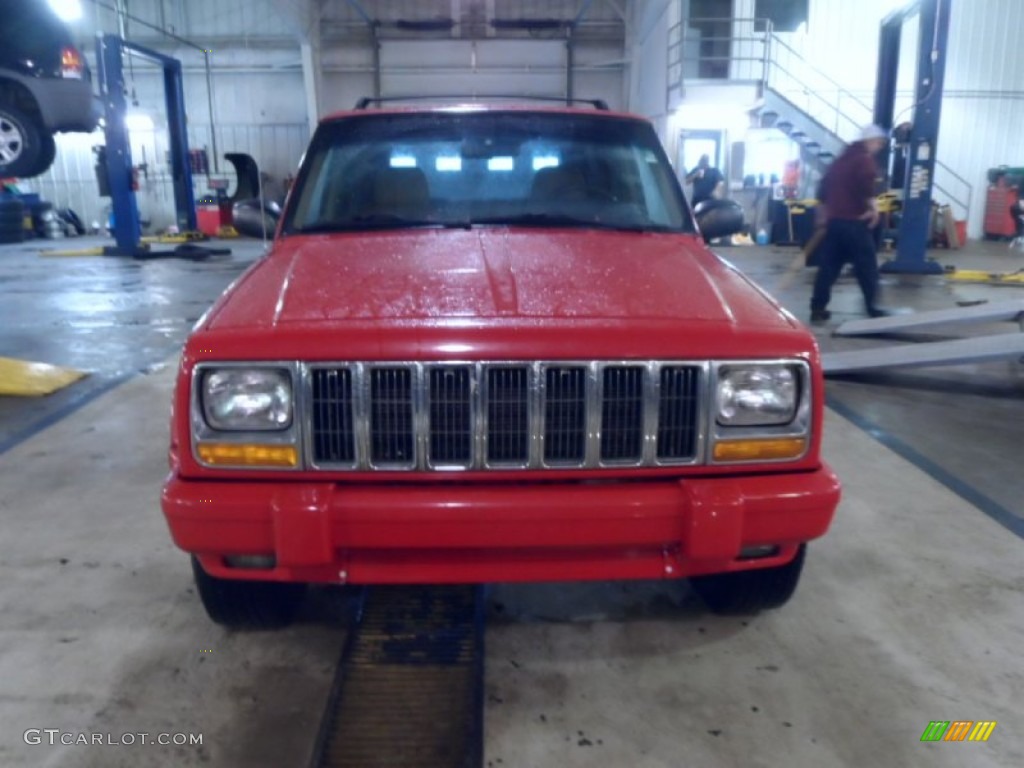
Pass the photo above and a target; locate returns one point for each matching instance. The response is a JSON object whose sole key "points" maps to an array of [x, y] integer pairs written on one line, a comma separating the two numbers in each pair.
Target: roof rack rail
{"points": [[366, 101]]}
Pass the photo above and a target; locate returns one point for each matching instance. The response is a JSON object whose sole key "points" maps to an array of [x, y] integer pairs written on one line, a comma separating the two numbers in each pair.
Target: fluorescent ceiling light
{"points": [[545, 161], [67, 10], [138, 121], [403, 161]]}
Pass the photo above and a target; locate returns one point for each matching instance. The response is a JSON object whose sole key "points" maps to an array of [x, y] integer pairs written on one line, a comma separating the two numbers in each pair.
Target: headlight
{"points": [[247, 399], [757, 395]]}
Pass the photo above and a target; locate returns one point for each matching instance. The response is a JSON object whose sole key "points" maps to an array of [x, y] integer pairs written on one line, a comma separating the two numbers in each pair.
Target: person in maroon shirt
{"points": [[847, 202]]}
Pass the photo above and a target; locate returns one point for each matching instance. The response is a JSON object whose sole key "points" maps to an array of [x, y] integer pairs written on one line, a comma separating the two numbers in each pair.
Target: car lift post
{"points": [[110, 52], [915, 224]]}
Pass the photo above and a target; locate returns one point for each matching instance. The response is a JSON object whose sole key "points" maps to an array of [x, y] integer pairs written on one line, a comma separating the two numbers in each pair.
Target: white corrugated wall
{"points": [[982, 121]]}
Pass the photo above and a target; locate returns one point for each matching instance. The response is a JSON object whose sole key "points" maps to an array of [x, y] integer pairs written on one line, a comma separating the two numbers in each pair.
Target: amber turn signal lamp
{"points": [[248, 455], [760, 450]]}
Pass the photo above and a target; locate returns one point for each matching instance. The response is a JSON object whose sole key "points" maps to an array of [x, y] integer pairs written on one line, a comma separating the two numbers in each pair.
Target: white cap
{"points": [[869, 132]]}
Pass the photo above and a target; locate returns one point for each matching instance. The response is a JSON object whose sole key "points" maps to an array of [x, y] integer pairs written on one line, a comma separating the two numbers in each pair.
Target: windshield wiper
{"points": [[561, 220], [535, 220], [360, 223]]}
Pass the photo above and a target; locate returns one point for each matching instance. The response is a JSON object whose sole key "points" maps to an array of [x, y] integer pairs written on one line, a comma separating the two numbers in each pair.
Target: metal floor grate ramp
{"points": [[409, 689]]}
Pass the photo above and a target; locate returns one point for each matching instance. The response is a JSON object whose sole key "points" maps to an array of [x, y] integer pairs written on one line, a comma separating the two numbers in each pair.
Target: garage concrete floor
{"points": [[910, 610]]}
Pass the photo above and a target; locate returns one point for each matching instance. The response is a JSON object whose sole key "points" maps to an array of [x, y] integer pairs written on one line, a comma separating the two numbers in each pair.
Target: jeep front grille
{"points": [[441, 416]]}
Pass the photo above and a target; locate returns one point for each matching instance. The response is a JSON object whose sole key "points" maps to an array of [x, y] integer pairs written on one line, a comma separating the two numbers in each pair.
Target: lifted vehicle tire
{"points": [[744, 592], [47, 154], [247, 604], [22, 143]]}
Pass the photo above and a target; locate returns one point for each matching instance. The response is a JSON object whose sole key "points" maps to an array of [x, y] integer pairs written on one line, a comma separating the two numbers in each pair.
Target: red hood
{"points": [[432, 275]]}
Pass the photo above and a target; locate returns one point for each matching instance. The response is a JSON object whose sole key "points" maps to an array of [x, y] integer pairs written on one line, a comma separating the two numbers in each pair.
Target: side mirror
{"points": [[719, 218]]}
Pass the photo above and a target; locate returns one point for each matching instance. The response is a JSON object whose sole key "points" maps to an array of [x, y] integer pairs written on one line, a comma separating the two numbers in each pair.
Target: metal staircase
{"points": [[795, 97], [813, 109]]}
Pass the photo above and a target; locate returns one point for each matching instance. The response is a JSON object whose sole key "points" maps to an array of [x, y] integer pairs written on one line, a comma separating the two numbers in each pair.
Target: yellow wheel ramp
{"points": [[22, 378], [183, 237], [990, 278], [79, 252]]}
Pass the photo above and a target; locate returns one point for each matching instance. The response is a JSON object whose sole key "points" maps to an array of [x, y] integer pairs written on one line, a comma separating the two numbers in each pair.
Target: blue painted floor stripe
{"points": [[961, 488], [11, 441]]}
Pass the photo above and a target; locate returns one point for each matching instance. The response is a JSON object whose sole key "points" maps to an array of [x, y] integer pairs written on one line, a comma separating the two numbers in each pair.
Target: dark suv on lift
{"points": [[45, 87]]}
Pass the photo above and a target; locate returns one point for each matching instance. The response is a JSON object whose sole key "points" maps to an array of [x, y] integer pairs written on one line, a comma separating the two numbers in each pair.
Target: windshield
{"points": [[464, 169]]}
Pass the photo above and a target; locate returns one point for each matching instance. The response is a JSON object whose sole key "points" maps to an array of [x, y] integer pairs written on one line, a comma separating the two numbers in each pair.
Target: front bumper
{"points": [[468, 533]]}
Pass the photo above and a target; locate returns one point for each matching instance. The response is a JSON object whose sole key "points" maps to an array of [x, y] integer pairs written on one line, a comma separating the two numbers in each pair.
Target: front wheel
{"points": [[247, 604], [743, 592]]}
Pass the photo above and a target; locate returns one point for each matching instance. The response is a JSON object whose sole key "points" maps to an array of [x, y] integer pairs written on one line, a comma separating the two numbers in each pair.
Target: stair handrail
{"points": [[837, 113], [966, 206], [677, 42], [763, 33], [840, 89]]}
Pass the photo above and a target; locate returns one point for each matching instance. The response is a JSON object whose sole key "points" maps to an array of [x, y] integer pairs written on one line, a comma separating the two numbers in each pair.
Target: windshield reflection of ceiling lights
{"points": [[463, 108], [448, 163], [545, 161], [501, 164], [403, 161]]}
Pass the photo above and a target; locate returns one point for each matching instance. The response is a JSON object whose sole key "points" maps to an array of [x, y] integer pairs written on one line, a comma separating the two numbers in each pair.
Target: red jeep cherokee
{"points": [[491, 345]]}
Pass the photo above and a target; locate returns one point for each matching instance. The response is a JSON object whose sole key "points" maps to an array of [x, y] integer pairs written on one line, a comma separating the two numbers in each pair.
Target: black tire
{"points": [[12, 221], [21, 142], [72, 218], [10, 206], [252, 219], [47, 154], [745, 592], [719, 218], [247, 604]]}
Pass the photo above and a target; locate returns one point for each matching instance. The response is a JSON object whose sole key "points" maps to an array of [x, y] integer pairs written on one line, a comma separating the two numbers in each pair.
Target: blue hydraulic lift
{"points": [[915, 224], [110, 53]]}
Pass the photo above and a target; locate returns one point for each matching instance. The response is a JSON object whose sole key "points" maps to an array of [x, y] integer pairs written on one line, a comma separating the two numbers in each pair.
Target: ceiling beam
{"points": [[362, 13], [297, 14], [620, 10], [583, 12]]}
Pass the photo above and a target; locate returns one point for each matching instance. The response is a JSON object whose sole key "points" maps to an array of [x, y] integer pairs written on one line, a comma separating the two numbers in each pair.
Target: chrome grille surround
{"points": [[525, 387]]}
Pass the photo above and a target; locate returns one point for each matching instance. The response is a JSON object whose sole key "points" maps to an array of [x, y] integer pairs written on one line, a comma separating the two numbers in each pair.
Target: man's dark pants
{"points": [[846, 241]]}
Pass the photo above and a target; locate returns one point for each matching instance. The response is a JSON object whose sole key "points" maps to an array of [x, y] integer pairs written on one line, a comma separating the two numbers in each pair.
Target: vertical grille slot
{"points": [[333, 432], [392, 438], [565, 414], [622, 413], [508, 415], [451, 420], [677, 413]]}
